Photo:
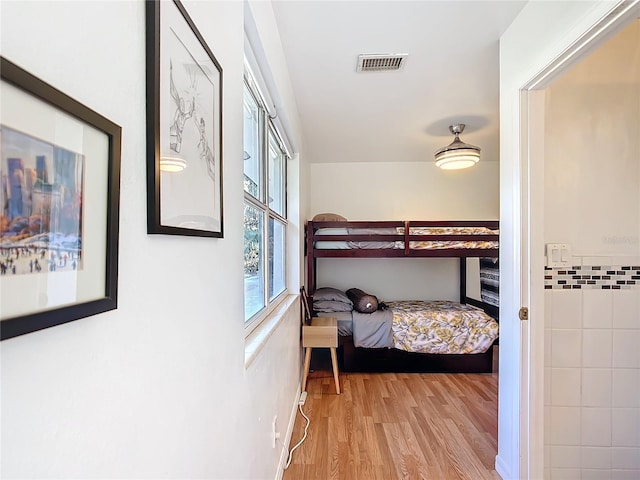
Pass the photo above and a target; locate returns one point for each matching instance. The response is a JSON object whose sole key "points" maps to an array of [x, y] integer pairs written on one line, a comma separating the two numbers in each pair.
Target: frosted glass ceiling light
{"points": [[172, 163], [457, 154]]}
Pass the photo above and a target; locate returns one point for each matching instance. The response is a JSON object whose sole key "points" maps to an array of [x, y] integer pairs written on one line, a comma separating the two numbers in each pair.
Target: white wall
{"points": [[524, 54], [592, 201], [157, 388], [401, 191], [405, 191]]}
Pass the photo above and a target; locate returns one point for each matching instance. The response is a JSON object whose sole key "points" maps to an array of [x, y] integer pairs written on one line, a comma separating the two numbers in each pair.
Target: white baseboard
{"points": [[284, 454], [501, 468]]}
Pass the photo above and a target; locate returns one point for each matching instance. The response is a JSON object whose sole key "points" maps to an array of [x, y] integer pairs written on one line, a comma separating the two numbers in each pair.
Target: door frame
{"points": [[531, 241]]}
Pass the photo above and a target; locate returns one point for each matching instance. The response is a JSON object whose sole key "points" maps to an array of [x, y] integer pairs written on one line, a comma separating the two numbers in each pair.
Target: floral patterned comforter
{"points": [[441, 327], [440, 244], [415, 244]]}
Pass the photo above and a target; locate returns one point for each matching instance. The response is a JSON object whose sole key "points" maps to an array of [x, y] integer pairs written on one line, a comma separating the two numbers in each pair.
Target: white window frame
{"points": [[268, 128]]}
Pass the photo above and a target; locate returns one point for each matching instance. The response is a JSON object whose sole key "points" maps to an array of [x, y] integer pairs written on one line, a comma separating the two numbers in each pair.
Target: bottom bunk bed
{"points": [[410, 336]]}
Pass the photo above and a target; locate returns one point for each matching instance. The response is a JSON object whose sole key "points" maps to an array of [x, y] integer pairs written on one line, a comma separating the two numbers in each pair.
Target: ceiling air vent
{"points": [[380, 62]]}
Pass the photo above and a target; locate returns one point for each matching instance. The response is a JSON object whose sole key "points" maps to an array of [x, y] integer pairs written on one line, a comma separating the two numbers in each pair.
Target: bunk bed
{"points": [[401, 239]]}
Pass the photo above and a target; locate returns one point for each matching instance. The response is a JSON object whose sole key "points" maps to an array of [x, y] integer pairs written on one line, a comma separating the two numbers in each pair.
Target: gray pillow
{"points": [[332, 294], [331, 306]]}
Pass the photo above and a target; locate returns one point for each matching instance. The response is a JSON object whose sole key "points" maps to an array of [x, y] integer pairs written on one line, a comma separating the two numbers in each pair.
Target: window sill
{"points": [[258, 338]]}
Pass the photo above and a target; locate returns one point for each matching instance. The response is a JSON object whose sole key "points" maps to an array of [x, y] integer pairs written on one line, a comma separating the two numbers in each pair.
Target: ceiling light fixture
{"points": [[457, 154]]}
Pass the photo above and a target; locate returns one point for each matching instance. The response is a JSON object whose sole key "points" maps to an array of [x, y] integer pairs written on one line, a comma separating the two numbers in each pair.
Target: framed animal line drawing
{"points": [[59, 206], [184, 126]]}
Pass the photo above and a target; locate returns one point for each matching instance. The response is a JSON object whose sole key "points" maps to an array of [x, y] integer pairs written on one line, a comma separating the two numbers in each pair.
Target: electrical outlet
{"points": [[303, 398], [275, 434]]}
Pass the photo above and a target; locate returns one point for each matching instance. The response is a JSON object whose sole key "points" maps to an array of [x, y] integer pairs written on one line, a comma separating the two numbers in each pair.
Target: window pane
{"points": [[276, 176], [276, 257], [251, 142], [253, 261]]}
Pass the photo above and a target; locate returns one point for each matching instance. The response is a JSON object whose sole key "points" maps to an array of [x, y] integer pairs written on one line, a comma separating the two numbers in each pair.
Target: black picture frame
{"points": [[71, 193], [184, 126]]}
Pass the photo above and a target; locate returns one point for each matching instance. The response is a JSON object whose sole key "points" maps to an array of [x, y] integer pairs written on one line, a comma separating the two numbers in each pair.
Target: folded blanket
{"points": [[345, 321], [374, 244], [331, 306], [372, 330]]}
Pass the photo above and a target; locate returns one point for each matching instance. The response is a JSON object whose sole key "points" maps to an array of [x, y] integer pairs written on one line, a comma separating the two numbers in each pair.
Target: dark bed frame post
{"points": [[407, 230], [463, 279], [311, 259]]}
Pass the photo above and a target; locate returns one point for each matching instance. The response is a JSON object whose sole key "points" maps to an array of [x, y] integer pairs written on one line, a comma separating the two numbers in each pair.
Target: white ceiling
{"points": [[451, 76]]}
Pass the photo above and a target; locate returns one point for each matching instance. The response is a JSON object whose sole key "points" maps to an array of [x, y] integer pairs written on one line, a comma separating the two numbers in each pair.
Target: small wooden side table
{"points": [[323, 332]]}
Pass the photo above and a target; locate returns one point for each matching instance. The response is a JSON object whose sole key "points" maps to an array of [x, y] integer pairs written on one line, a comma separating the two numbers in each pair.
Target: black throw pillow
{"points": [[362, 301]]}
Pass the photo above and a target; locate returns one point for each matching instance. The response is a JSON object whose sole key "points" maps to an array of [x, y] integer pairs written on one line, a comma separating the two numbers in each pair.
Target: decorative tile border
{"points": [[592, 277]]}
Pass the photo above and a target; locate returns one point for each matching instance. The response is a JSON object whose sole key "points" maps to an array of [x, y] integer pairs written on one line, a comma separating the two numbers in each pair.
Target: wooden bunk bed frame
{"points": [[356, 359]]}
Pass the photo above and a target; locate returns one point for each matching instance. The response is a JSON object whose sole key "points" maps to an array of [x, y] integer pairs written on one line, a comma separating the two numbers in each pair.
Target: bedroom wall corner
{"points": [[405, 191]]}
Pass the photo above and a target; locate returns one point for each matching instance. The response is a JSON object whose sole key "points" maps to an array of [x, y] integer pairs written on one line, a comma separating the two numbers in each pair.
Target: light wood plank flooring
{"points": [[398, 426]]}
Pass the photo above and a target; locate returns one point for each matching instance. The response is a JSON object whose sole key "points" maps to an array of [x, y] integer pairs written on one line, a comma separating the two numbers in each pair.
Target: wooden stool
{"points": [[322, 332]]}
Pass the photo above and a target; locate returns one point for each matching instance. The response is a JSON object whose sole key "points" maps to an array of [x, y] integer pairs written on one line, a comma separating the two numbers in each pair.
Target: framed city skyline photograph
{"points": [[59, 206], [184, 126]]}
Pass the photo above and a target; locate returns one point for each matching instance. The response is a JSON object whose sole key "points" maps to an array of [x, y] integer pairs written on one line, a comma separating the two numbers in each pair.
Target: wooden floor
{"points": [[397, 426]]}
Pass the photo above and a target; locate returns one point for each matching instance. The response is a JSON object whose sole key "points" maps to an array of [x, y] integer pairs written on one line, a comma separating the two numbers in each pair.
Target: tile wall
{"points": [[592, 311], [592, 371]]}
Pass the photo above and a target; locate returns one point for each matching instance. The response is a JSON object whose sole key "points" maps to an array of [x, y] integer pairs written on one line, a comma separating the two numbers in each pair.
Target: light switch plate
{"points": [[559, 255]]}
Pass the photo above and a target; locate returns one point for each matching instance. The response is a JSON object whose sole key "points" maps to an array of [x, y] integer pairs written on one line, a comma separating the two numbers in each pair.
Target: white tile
{"points": [[565, 387], [547, 474], [625, 474], [547, 426], [547, 347], [626, 260], [626, 349], [597, 308], [626, 387], [565, 474], [564, 426], [603, 261], [625, 458], [565, 457], [596, 457], [566, 308], [596, 427], [547, 456], [625, 427], [597, 348], [596, 387], [566, 348], [626, 309], [547, 386], [592, 474], [549, 296]]}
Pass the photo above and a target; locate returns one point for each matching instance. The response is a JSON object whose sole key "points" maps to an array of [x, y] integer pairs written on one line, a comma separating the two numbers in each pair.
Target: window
{"points": [[265, 206]]}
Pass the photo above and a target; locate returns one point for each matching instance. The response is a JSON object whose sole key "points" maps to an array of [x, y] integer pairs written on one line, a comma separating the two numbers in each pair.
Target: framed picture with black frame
{"points": [[184, 126], [59, 199]]}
